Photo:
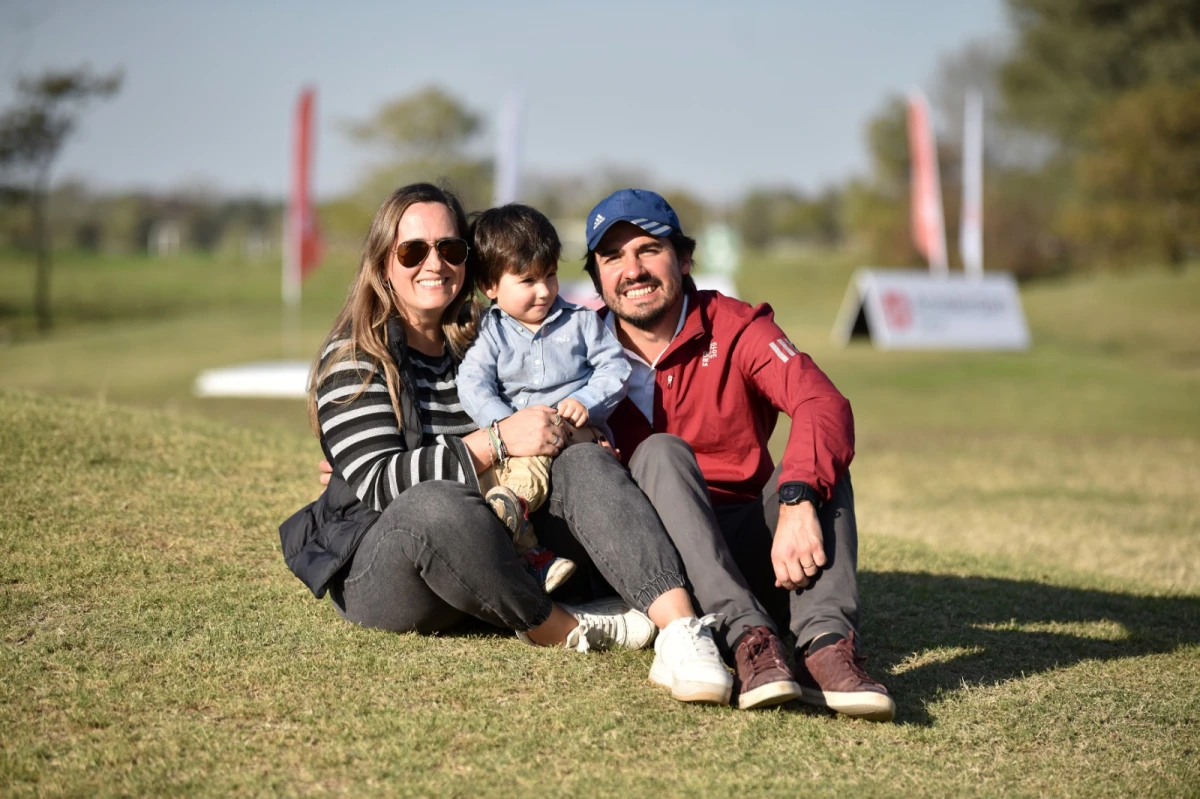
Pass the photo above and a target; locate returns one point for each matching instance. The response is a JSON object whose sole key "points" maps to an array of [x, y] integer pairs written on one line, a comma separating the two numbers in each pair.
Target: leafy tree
{"points": [[769, 215], [1140, 177], [426, 136], [1112, 84], [32, 135], [1074, 57], [877, 208]]}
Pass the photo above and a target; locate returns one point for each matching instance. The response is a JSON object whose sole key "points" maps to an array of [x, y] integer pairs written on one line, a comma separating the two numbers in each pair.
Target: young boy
{"points": [[533, 348]]}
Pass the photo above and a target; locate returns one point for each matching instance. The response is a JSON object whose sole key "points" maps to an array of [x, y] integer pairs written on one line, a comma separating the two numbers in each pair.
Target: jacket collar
{"points": [[693, 324], [397, 341]]}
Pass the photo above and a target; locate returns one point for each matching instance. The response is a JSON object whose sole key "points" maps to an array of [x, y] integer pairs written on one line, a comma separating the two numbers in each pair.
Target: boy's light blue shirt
{"points": [[572, 355]]}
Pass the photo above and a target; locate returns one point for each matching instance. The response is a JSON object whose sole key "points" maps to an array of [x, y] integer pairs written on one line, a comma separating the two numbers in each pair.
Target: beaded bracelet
{"points": [[494, 443], [495, 448], [498, 441]]}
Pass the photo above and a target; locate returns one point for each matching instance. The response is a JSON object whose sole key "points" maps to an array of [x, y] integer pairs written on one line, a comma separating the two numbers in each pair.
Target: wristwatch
{"points": [[794, 493]]}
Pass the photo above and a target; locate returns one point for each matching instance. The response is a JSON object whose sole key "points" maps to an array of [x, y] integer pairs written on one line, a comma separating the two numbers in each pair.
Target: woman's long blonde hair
{"points": [[370, 303]]}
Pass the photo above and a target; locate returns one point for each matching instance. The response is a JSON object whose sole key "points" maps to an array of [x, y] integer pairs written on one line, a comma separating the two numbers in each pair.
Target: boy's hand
{"points": [[573, 411]]}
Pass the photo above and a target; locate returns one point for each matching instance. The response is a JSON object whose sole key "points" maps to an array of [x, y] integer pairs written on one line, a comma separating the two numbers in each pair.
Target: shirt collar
{"points": [[556, 309], [610, 321]]}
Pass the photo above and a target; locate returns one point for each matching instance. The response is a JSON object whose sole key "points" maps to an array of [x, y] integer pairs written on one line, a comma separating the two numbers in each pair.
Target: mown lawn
{"points": [[1030, 575]]}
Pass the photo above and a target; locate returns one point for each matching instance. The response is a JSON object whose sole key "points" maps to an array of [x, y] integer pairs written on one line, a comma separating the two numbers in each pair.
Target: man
{"points": [[712, 374]]}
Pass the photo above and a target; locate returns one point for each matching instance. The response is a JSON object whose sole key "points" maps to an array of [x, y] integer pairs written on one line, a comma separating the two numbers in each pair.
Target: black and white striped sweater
{"points": [[364, 440]]}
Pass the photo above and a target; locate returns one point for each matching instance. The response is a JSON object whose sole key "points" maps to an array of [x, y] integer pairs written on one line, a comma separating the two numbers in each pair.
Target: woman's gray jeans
{"points": [[438, 552]]}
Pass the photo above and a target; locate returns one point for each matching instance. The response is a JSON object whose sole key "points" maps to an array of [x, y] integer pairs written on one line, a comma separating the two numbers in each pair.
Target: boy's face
{"points": [[524, 297]]}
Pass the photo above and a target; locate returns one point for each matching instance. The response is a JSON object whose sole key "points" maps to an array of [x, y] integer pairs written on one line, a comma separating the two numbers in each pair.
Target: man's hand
{"points": [[573, 411], [326, 472], [798, 552]]}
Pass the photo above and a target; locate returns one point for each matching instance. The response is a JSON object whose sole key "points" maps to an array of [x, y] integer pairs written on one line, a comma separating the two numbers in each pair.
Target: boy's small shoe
{"points": [[509, 509], [686, 660], [547, 568]]}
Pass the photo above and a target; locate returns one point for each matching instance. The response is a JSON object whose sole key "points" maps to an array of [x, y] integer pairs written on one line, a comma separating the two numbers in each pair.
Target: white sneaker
{"points": [[686, 660], [606, 624]]}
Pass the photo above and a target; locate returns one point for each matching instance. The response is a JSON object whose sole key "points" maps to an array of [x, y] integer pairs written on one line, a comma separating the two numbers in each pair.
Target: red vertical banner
{"points": [[303, 247], [928, 224]]}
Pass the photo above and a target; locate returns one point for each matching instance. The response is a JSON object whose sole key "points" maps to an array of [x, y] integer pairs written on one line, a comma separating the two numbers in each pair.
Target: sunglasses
{"points": [[413, 253]]}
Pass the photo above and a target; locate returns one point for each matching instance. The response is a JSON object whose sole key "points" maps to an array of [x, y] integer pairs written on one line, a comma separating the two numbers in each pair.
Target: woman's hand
{"points": [[537, 430]]}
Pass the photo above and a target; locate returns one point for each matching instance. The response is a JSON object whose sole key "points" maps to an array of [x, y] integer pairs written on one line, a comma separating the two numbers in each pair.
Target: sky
{"points": [[711, 97]]}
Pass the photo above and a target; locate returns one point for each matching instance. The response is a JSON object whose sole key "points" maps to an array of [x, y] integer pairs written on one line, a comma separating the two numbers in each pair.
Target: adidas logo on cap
{"points": [[599, 219]]}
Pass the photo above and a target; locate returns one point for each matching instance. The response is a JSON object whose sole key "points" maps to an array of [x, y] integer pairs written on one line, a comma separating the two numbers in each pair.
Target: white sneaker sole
{"points": [[869, 705], [709, 693], [773, 693], [558, 573]]}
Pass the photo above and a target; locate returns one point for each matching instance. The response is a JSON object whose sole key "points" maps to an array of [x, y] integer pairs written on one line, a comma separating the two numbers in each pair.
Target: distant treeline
{"points": [[1092, 159], [158, 223]]}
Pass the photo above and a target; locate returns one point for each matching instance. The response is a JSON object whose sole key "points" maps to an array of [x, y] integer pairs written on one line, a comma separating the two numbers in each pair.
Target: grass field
{"points": [[1030, 571]]}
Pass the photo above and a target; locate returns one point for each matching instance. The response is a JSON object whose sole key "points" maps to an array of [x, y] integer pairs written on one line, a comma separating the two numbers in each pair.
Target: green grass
{"points": [[1029, 571]]}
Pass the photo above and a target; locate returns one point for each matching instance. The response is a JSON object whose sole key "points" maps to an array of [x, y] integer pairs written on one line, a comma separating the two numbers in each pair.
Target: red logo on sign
{"points": [[897, 309]]}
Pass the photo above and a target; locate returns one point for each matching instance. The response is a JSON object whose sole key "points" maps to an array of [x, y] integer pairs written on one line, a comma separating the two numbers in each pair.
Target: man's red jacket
{"points": [[720, 386]]}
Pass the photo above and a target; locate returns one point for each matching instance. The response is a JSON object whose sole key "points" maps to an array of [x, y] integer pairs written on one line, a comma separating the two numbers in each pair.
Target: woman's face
{"points": [[423, 291]]}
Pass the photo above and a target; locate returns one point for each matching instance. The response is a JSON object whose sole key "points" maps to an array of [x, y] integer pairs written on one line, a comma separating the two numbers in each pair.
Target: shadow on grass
{"points": [[942, 632], [929, 635]]}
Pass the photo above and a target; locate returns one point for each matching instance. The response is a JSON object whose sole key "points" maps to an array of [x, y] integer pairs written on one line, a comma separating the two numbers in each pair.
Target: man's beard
{"points": [[644, 317]]}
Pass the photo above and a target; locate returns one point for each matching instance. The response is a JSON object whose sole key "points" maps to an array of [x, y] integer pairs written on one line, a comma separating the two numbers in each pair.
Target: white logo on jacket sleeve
{"points": [[708, 356], [783, 348]]}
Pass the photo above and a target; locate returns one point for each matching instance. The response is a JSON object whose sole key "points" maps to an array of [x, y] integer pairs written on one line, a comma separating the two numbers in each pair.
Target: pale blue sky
{"points": [[704, 95]]}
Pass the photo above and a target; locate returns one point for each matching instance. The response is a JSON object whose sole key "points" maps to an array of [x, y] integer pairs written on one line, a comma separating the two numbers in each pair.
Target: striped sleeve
{"points": [[365, 442]]}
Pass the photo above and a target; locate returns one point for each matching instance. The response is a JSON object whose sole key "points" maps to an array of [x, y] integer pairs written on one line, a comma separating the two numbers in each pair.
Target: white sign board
{"points": [[270, 379], [916, 310]]}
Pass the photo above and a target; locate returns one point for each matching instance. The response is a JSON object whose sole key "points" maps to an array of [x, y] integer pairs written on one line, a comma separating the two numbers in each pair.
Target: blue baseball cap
{"points": [[646, 209]]}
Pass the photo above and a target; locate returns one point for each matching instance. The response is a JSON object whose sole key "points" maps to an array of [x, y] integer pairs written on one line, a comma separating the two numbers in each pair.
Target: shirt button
{"points": [[537, 363]]}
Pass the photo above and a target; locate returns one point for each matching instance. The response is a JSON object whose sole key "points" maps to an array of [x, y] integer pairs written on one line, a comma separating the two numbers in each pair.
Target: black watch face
{"points": [[790, 494]]}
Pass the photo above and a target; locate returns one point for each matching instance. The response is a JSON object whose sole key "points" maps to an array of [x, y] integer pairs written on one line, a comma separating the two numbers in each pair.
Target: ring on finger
{"points": [[555, 419], [557, 441]]}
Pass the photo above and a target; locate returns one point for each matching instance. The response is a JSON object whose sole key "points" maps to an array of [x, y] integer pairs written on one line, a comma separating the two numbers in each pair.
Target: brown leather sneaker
{"points": [[764, 678], [833, 677]]}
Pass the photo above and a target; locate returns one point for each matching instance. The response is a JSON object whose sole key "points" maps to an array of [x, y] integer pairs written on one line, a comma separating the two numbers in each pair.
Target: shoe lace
{"points": [[601, 630], [761, 656], [694, 637], [854, 661], [581, 637]]}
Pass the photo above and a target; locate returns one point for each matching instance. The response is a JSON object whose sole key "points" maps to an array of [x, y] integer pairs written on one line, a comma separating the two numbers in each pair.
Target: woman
{"points": [[402, 540]]}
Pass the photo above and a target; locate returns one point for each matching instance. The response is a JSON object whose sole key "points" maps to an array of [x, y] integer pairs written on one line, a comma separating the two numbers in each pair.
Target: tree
{"points": [[424, 136], [1074, 57], [1140, 177], [1112, 83], [32, 135]]}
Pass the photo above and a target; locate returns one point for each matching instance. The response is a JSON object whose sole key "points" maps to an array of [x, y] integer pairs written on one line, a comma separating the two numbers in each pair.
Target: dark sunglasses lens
{"points": [[453, 251], [411, 253]]}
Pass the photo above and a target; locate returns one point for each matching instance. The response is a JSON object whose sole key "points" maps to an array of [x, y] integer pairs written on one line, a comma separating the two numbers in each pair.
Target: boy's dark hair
{"points": [[685, 247], [513, 238]]}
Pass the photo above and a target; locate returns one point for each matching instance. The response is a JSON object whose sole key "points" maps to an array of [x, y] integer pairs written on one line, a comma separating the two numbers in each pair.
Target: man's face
{"points": [[641, 277]]}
